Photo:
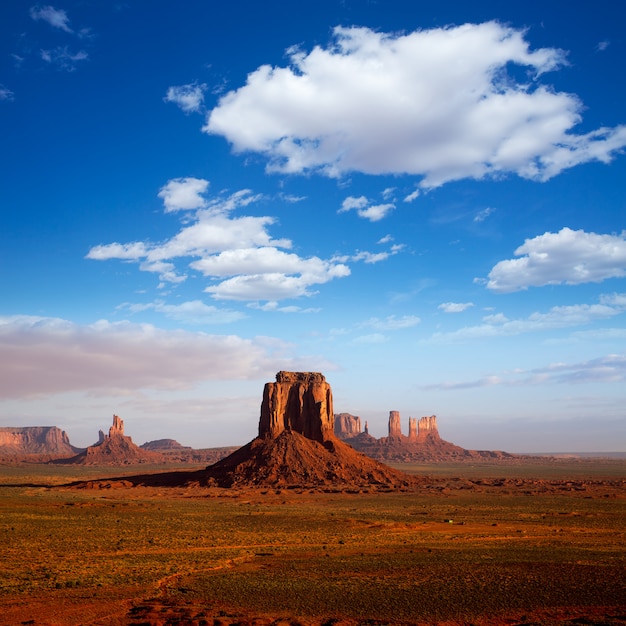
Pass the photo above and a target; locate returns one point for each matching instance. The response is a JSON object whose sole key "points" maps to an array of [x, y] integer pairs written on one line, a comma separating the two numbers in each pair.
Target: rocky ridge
{"points": [[423, 443]]}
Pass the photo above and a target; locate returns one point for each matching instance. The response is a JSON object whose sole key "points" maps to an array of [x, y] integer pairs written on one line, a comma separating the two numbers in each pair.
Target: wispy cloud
{"points": [[63, 59], [190, 98], [365, 209], [606, 369], [193, 312], [391, 322], [6, 93], [57, 18], [455, 307], [498, 325], [481, 216]]}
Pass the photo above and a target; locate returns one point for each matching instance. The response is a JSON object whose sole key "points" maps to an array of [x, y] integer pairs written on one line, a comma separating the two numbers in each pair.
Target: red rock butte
{"points": [[113, 449], [297, 446], [301, 402]]}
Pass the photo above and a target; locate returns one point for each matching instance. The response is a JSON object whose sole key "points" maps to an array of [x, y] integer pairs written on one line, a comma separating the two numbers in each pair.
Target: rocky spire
{"points": [[395, 429], [297, 401], [412, 428], [117, 428]]}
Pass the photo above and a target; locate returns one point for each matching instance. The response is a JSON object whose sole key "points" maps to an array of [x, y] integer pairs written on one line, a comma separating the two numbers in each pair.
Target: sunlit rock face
{"points": [[347, 425], [427, 428], [35, 440], [412, 428], [298, 401], [395, 430]]}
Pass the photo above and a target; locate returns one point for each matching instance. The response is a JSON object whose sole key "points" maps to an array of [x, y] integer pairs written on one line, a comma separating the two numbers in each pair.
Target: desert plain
{"points": [[541, 542]]}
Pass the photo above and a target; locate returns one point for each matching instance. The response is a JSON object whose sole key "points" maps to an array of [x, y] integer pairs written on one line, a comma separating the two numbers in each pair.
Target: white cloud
{"points": [[369, 257], [352, 202], [455, 307], [569, 256], [131, 251], [63, 59], [190, 98], [392, 322], [614, 299], [237, 249], [481, 216], [385, 239], [435, 103], [6, 94], [498, 325], [412, 196], [183, 194], [373, 213], [55, 17], [48, 356], [192, 312], [263, 260]]}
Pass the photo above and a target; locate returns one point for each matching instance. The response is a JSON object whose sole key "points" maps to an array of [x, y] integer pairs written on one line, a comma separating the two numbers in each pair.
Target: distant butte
{"points": [[33, 441], [113, 449], [423, 443]]}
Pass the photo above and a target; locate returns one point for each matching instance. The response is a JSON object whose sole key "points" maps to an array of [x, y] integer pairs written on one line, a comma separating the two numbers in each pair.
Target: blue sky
{"points": [[423, 201]]}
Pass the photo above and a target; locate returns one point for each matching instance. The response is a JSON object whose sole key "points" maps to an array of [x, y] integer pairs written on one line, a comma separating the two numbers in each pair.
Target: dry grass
{"points": [[193, 556]]}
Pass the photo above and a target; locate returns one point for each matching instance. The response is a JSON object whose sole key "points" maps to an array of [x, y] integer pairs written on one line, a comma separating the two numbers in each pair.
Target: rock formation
{"points": [[160, 445], [297, 446], [423, 444], [395, 430], [301, 402], [37, 440], [114, 449], [427, 429], [412, 429], [347, 425]]}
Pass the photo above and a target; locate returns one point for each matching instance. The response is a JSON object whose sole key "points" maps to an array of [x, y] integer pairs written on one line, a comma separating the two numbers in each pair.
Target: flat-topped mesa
{"points": [[298, 401], [300, 377], [347, 425], [395, 429]]}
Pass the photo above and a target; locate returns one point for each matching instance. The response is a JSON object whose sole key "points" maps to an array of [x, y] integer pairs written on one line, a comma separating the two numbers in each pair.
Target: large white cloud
{"points": [[434, 103], [49, 356], [569, 256]]}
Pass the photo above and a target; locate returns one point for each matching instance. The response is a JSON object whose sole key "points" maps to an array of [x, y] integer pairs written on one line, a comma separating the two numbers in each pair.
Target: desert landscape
{"points": [[297, 527]]}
